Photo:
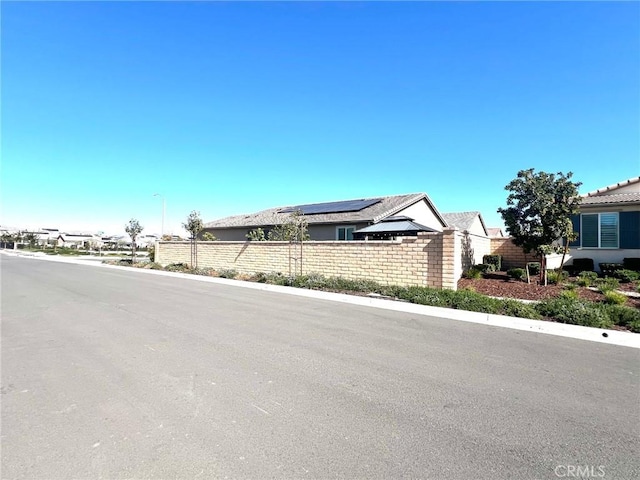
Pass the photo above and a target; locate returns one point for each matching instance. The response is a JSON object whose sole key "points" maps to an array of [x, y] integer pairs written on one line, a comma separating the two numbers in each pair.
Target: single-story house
{"points": [[390, 228], [608, 225], [337, 220], [495, 232], [470, 222], [79, 240]]}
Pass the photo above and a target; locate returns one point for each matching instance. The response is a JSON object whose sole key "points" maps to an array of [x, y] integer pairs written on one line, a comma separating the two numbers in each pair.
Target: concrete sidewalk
{"points": [[611, 337]]}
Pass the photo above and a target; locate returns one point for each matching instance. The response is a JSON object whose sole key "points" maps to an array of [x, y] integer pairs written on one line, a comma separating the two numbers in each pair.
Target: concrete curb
{"points": [[600, 335]]}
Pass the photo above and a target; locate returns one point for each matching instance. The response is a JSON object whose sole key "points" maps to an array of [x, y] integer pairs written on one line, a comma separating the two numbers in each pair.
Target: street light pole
{"points": [[163, 210]]}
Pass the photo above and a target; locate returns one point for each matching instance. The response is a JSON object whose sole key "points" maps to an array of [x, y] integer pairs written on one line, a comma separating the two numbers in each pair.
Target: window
{"points": [[599, 230], [345, 233]]}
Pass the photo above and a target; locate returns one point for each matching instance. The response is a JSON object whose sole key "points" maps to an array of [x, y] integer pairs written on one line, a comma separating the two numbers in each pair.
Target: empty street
{"points": [[115, 373]]}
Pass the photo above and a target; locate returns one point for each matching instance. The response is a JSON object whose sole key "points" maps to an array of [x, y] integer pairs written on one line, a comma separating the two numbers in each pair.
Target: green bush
{"points": [[514, 308], [485, 267], [583, 264], [631, 264], [227, 273], [624, 316], [517, 273], [571, 294], [472, 273], [534, 268], [626, 276], [556, 276], [607, 284], [608, 269], [575, 312], [495, 260], [614, 298], [586, 279], [177, 267]]}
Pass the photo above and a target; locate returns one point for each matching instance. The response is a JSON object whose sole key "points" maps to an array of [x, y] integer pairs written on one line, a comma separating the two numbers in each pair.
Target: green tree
{"points": [[256, 235], [208, 237], [194, 226], [539, 210], [295, 229], [133, 229], [31, 238]]}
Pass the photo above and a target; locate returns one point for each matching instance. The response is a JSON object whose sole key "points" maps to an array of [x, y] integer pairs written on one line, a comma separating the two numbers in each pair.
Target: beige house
{"points": [[335, 220]]}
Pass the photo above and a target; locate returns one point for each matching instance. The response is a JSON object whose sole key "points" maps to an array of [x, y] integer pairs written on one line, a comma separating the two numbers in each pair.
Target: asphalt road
{"points": [[118, 374]]}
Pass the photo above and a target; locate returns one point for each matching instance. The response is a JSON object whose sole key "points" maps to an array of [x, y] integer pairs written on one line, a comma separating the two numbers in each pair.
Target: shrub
{"points": [[259, 277], [534, 268], [626, 275], [614, 298], [624, 317], [206, 271], [575, 312], [514, 308], [570, 294], [586, 279], [472, 273], [485, 267], [556, 276], [634, 326], [227, 273], [517, 273], [583, 264], [631, 264], [495, 260], [177, 267], [472, 301], [607, 284], [608, 269]]}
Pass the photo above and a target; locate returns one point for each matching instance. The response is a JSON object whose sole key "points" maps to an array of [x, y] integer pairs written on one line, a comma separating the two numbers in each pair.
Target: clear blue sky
{"points": [[229, 108]]}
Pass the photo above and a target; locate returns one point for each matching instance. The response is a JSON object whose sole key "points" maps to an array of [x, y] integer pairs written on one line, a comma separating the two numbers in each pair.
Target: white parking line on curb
{"points": [[601, 335]]}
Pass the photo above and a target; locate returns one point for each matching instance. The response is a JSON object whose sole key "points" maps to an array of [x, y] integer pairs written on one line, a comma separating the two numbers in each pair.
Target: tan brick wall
{"points": [[426, 260], [512, 256]]}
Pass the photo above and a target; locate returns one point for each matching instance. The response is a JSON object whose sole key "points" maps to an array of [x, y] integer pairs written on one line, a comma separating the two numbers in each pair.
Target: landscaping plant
{"points": [[539, 210]]}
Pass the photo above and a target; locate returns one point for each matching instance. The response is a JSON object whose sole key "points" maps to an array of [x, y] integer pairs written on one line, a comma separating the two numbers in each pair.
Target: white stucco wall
{"points": [[603, 255], [422, 213]]}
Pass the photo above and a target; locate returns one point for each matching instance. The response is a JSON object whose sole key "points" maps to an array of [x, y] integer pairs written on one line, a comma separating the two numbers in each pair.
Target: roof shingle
{"points": [[374, 213]]}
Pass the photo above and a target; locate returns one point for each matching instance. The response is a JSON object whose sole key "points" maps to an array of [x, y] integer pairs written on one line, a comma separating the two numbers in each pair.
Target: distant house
{"points": [[336, 220], [608, 225], [79, 240], [471, 222], [495, 232]]}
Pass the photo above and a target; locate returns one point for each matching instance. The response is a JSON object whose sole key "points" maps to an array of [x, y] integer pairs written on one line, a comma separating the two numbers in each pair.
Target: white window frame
{"points": [[345, 228], [617, 215]]}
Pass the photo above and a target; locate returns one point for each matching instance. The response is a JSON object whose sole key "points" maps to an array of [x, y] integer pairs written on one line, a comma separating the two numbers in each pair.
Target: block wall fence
{"points": [[512, 256], [431, 259]]}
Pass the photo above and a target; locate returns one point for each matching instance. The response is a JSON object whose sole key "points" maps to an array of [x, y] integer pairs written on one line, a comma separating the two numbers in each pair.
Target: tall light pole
{"points": [[163, 210]]}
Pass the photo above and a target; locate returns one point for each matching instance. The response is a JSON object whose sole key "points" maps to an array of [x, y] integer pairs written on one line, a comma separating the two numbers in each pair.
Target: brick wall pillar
{"points": [[450, 259]]}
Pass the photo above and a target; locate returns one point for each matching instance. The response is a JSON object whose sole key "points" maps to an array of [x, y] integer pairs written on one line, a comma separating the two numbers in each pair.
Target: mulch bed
{"points": [[500, 285]]}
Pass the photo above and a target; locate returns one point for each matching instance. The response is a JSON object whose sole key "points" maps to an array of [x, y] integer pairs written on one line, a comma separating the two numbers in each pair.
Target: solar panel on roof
{"points": [[332, 207]]}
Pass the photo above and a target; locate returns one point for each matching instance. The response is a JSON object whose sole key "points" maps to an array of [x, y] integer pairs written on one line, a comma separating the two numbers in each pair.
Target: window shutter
{"points": [[608, 230], [589, 231], [629, 229], [575, 220]]}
